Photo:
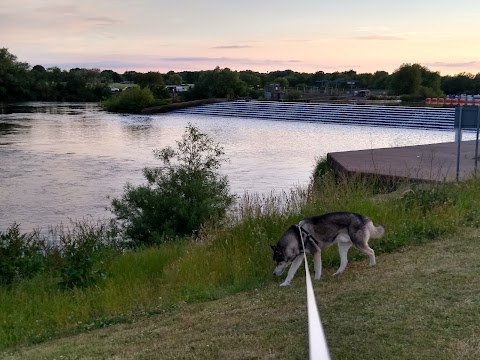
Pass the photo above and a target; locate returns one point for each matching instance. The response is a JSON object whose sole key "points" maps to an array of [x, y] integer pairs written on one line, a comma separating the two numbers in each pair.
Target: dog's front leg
{"points": [[293, 269], [317, 262]]}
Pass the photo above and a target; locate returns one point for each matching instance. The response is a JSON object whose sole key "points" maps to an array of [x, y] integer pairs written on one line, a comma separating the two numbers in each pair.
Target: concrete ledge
{"points": [[421, 163]]}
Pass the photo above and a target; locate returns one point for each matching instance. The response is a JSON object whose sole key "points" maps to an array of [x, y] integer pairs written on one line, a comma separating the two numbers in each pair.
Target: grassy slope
{"points": [[419, 303]]}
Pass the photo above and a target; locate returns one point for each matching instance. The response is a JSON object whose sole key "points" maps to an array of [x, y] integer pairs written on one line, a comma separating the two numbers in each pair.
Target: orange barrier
{"points": [[448, 101]]}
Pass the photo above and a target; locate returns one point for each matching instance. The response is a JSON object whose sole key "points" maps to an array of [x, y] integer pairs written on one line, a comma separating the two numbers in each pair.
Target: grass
{"points": [[122, 86], [37, 309], [229, 266], [418, 303]]}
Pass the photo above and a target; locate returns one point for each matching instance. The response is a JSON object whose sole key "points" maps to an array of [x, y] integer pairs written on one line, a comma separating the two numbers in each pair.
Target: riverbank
{"points": [[415, 304], [233, 257]]}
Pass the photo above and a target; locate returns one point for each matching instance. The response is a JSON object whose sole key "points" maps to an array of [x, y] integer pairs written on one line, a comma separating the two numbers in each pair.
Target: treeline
{"points": [[20, 81]]}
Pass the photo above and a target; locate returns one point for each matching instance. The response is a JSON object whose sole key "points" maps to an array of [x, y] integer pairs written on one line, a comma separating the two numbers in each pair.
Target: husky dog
{"points": [[318, 232]]}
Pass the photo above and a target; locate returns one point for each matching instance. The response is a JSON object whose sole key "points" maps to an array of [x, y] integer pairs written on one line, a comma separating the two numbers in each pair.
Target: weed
{"points": [[20, 256]]}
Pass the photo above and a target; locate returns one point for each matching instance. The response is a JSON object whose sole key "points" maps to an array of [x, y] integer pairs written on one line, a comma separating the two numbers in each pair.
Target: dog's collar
{"points": [[306, 235]]}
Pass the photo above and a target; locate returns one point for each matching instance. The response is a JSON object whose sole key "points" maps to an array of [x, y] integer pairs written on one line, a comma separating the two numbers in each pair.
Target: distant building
{"points": [[274, 92], [175, 89], [362, 93]]}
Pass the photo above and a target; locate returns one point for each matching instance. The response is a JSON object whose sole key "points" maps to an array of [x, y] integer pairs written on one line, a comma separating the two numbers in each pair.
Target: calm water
{"points": [[61, 161]]}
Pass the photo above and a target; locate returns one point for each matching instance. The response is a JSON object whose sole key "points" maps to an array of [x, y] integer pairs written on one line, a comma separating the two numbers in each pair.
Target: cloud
{"points": [[55, 21], [169, 63], [103, 21], [232, 47], [466, 64], [380, 37], [56, 9]]}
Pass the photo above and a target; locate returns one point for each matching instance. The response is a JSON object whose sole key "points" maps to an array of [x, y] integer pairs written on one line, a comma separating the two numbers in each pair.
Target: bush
{"points": [[76, 256], [293, 95], [132, 100], [180, 196], [20, 256], [84, 253]]}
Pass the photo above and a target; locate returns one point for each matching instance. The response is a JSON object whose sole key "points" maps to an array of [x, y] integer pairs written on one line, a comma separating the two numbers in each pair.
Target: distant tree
{"points": [[218, 83], [155, 82], [174, 79], [190, 77], [131, 76], [431, 83], [406, 80], [415, 80], [296, 79], [133, 100], [380, 80], [282, 81], [14, 80], [151, 78], [293, 95], [476, 84], [281, 73], [39, 69], [363, 81], [250, 78], [111, 76], [458, 84]]}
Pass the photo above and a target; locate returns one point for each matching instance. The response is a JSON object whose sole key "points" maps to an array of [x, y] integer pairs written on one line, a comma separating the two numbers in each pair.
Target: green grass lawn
{"points": [[122, 86], [421, 302]]}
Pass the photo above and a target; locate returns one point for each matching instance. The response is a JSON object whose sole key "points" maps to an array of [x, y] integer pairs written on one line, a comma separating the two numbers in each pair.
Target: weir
{"points": [[349, 114]]}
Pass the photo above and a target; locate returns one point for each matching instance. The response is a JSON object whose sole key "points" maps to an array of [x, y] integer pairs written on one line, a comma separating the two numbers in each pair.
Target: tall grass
{"points": [[230, 256]]}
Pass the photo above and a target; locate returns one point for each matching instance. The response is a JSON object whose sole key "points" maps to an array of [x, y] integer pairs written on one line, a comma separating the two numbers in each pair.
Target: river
{"points": [[61, 161]]}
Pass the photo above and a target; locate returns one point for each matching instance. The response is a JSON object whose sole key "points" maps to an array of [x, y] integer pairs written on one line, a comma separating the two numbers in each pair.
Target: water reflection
{"points": [[10, 128], [61, 161]]}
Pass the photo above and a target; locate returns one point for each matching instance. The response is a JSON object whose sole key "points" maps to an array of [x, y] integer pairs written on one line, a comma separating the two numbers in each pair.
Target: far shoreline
{"points": [[181, 105]]}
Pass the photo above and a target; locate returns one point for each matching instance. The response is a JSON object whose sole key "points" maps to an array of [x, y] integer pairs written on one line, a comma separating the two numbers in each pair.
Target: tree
{"points": [[154, 81], [458, 84], [415, 80], [14, 81], [406, 80], [174, 79], [250, 78], [218, 83], [282, 81], [133, 100], [180, 196], [111, 76], [380, 80]]}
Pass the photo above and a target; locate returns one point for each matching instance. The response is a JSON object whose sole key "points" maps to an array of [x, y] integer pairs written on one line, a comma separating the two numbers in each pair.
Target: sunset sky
{"points": [[259, 35]]}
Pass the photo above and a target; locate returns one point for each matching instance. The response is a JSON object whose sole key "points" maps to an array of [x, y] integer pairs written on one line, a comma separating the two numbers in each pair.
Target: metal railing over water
{"points": [[348, 114]]}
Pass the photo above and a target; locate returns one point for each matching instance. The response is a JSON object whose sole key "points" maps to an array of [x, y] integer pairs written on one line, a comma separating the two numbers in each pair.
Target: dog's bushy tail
{"points": [[375, 231]]}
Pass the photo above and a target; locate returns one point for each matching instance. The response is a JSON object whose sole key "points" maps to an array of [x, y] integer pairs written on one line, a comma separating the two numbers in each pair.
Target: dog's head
{"points": [[283, 255], [279, 259]]}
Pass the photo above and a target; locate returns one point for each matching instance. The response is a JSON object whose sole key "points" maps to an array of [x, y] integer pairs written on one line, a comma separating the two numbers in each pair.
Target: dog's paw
{"points": [[285, 284]]}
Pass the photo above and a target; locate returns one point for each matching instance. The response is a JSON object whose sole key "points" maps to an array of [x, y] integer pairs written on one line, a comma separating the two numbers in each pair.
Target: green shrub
{"points": [[412, 98], [132, 100], [293, 95], [428, 198], [20, 256], [180, 196], [84, 253]]}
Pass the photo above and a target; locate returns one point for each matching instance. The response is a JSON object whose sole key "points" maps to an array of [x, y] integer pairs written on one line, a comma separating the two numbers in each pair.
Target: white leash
{"points": [[316, 337]]}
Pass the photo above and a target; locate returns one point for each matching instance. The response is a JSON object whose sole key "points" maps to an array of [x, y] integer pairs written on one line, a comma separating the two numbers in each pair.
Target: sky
{"points": [[259, 35]]}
